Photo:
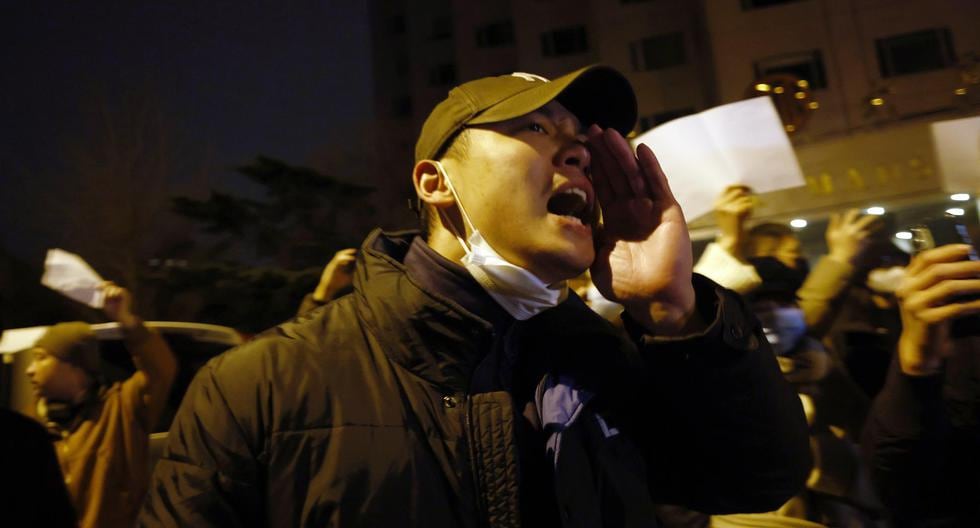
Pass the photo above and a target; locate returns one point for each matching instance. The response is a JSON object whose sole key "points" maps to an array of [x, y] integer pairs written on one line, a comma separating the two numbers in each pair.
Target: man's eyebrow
{"points": [[551, 114]]}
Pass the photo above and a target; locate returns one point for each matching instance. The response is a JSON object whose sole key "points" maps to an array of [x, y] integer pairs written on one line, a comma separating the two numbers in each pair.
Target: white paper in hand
{"points": [[68, 274], [740, 143]]}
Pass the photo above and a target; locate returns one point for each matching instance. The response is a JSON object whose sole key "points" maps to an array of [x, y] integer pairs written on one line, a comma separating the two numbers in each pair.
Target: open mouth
{"points": [[572, 203]]}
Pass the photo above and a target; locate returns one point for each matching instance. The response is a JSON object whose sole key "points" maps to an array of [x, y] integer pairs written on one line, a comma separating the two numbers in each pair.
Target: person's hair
{"points": [[764, 239], [457, 148]]}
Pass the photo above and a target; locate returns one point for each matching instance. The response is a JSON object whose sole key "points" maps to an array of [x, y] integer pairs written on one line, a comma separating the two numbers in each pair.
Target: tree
{"points": [[253, 258]]}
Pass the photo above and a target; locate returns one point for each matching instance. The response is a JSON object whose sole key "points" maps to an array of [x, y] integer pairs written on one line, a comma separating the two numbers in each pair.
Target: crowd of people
{"points": [[544, 351]]}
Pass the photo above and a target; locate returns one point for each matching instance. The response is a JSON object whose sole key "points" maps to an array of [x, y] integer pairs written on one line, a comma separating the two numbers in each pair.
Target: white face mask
{"points": [[885, 280], [785, 329], [518, 291]]}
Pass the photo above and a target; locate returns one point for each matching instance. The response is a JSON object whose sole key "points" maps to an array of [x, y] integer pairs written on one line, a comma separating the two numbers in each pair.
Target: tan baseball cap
{"points": [[595, 94]]}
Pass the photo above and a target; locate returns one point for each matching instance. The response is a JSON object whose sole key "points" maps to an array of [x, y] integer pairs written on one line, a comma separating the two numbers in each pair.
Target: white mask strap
{"points": [[459, 203]]}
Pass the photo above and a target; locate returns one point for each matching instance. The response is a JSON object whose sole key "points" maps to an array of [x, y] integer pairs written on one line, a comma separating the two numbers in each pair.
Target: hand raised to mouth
{"points": [[643, 250]]}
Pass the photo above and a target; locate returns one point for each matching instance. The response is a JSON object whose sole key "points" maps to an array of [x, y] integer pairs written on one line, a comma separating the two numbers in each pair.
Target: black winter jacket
{"points": [[367, 412]]}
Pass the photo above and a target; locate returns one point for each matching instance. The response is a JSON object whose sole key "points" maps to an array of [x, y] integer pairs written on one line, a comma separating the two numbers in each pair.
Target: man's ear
{"points": [[430, 185]]}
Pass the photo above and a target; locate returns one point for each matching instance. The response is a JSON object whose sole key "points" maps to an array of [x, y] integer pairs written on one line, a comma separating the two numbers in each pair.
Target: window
{"points": [[917, 52], [806, 65], [648, 122], [442, 28], [443, 74], [396, 24], [402, 106], [495, 35], [658, 52], [759, 4], [565, 41]]}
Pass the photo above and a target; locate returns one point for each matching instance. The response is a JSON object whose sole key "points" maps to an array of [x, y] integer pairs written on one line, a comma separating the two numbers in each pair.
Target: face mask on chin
{"points": [[784, 327], [518, 291]]}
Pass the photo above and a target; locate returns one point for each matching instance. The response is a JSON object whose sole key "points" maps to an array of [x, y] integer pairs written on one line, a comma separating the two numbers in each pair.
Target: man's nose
{"points": [[575, 154]]}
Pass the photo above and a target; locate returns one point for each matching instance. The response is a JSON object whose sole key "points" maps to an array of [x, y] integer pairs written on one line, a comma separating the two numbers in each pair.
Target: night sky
{"points": [[235, 80]]}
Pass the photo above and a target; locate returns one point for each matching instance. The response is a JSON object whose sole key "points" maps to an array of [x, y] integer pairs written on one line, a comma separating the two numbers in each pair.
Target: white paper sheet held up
{"points": [[958, 152], [68, 274], [739, 143]]}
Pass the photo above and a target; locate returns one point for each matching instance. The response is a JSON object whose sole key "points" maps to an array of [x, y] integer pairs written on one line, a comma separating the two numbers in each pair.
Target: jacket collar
{"points": [[426, 332]]}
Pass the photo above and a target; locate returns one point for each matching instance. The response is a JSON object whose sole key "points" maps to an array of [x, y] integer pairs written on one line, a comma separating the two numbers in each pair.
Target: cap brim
{"points": [[594, 94]]}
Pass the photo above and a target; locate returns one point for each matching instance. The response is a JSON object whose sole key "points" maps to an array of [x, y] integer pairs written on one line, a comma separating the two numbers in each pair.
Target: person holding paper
{"points": [[102, 429], [723, 260]]}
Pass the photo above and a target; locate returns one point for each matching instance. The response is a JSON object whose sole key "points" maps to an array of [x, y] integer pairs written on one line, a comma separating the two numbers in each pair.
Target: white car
{"points": [[193, 344]]}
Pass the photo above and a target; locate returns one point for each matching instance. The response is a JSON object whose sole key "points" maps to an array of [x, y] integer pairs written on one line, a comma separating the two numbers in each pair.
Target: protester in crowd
{"points": [[723, 260], [922, 438], [336, 280], [102, 429], [864, 336], [849, 236], [461, 385]]}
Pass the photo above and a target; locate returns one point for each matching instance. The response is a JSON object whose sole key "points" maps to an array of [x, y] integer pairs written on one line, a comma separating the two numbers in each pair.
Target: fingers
{"points": [[655, 177], [868, 223], [627, 161], [948, 253], [949, 312], [602, 164]]}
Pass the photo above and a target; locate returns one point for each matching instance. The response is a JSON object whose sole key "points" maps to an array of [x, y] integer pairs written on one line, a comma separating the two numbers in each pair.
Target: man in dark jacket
{"points": [[922, 437], [460, 384]]}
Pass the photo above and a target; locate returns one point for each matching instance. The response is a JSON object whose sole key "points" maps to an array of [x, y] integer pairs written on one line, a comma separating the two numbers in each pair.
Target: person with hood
{"points": [[102, 430], [462, 384]]}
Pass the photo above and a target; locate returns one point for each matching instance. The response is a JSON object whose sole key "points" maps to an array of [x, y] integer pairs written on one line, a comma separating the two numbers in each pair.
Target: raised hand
{"points": [[732, 209], [850, 235], [337, 274], [643, 251], [118, 304], [928, 302]]}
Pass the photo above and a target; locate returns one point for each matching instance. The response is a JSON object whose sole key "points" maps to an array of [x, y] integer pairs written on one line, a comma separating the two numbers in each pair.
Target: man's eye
{"points": [[535, 127]]}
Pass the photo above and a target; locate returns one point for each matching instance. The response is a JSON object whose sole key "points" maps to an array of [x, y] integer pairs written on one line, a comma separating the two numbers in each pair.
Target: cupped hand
{"points": [[643, 250]]}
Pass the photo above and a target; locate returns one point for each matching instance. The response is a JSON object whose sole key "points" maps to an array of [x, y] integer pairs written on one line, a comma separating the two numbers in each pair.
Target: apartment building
{"points": [[875, 74]]}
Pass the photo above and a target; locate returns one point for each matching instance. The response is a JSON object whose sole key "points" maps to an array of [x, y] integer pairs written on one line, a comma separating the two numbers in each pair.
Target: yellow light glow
{"points": [[813, 105], [802, 83], [778, 89], [762, 87], [790, 128], [960, 91], [800, 95], [877, 101]]}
